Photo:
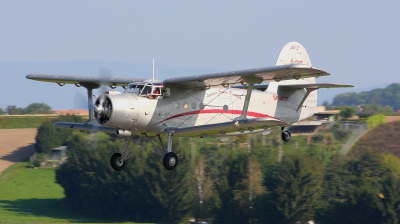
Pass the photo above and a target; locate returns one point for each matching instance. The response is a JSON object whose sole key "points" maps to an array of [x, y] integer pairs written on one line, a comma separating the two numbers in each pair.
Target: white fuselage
{"points": [[190, 107]]}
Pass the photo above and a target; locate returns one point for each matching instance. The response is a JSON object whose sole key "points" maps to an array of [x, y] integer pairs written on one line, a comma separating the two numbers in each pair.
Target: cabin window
{"points": [[194, 106], [201, 106]]}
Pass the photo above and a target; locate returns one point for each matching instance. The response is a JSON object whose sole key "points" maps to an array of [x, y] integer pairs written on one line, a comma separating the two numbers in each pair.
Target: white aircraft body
{"points": [[220, 104]]}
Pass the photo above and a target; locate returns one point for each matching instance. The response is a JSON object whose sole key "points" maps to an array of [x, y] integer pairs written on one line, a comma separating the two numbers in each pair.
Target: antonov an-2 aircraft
{"points": [[220, 104]]}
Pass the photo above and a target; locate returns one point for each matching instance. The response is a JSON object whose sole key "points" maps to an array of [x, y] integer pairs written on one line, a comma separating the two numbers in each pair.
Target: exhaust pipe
{"points": [[122, 133]]}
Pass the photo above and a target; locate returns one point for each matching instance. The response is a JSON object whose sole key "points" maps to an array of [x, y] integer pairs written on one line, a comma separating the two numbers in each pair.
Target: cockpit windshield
{"points": [[149, 90]]}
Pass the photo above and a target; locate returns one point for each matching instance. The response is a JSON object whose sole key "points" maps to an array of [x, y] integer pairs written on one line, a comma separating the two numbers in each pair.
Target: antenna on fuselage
{"points": [[153, 69]]}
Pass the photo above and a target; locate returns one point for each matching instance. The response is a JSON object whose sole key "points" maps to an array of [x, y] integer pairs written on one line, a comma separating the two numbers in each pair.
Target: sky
{"points": [[357, 42]]}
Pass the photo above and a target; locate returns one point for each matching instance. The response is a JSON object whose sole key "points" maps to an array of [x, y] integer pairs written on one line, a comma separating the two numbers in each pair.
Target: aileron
{"points": [[78, 80]]}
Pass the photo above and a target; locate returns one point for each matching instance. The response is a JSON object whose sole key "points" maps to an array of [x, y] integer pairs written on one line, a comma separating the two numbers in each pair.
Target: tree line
{"points": [[240, 181], [33, 108], [385, 100]]}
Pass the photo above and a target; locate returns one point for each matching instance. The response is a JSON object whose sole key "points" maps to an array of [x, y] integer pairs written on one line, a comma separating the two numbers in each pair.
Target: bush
{"points": [[37, 163], [376, 120]]}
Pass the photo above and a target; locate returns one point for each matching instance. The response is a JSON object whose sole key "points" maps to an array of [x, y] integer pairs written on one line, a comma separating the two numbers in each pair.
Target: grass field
{"points": [[31, 196], [25, 121], [11, 122]]}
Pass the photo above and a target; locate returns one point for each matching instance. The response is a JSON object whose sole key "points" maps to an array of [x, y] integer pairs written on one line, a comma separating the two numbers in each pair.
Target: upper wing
{"points": [[80, 80], [274, 73]]}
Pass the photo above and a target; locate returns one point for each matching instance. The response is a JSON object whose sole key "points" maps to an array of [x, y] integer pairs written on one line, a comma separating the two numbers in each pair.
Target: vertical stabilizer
{"points": [[304, 101], [293, 53]]}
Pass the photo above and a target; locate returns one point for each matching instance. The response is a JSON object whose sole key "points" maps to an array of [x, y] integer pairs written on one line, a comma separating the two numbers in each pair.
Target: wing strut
{"points": [[309, 90], [250, 83], [90, 87]]}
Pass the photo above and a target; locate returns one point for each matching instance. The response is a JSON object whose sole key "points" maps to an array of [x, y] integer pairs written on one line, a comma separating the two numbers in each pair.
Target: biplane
{"points": [[219, 104]]}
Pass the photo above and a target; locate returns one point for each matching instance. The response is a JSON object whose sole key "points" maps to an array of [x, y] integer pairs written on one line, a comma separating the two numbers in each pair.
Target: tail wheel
{"points": [[286, 136], [170, 161], [116, 162]]}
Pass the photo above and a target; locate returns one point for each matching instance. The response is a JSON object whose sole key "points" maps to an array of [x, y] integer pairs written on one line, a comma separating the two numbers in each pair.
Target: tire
{"points": [[170, 161], [115, 164], [286, 136]]}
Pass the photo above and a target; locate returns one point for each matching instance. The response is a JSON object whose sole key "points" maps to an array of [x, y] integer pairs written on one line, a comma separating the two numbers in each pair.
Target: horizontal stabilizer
{"points": [[82, 126], [316, 86]]}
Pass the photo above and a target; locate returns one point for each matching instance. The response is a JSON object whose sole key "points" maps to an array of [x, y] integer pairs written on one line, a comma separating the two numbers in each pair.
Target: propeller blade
{"points": [[80, 101]]}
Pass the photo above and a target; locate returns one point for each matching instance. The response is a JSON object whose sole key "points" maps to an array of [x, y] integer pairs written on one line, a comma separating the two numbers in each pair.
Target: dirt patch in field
{"points": [[16, 145], [392, 118]]}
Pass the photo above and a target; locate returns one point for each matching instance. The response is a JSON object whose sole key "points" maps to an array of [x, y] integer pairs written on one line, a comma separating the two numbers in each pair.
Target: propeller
{"points": [[103, 106], [80, 101]]}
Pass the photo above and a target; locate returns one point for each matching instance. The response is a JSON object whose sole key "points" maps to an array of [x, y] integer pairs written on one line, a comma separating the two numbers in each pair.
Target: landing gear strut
{"points": [[170, 159], [286, 136]]}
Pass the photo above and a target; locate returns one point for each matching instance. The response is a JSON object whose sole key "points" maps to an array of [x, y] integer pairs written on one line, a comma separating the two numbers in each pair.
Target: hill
{"points": [[381, 139], [387, 96]]}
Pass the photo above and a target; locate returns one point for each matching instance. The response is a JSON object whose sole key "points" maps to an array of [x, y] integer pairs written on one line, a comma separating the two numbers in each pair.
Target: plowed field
{"points": [[16, 145]]}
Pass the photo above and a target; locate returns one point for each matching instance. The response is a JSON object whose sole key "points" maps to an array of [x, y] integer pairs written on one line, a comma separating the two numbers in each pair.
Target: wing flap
{"points": [[274, 73]]}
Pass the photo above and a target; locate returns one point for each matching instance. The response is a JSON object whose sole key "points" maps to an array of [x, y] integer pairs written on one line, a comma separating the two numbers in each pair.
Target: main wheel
{"points": [[116, 162], [170, 161], [286, 136]]}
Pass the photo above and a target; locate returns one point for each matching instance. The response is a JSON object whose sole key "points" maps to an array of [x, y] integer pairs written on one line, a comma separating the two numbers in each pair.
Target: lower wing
{"points": [[247, 126]]}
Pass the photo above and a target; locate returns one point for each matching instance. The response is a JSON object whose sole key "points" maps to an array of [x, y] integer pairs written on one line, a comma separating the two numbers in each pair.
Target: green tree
{"points": [[49, 136], [294, 190], [237, 187], [1, 111], [352, 188], [37, 108], [377, 109], [388, 96], [389, 198], [152, 193], [202, 189], [391, 163], [327, 105], [227, 210], [347, 112], [14, 110]]}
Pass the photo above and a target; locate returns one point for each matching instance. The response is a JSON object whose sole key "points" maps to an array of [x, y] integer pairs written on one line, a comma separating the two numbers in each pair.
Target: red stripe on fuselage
{"points": [[217, 111]]}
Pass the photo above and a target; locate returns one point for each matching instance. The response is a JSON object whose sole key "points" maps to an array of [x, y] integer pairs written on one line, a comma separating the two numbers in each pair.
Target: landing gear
{"points": [[286, 136], [170, 161], [116, 162]]}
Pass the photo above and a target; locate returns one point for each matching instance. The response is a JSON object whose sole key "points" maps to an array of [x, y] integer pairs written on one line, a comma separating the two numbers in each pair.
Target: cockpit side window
{"points": [[149, 90], [146, 91]]}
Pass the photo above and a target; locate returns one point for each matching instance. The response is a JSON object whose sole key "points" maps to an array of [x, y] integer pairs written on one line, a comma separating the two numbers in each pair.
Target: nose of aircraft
{"points": [[117, 110]]}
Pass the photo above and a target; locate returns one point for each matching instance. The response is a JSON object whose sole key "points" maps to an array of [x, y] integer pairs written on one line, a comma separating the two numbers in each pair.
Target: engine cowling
{"points": [[119, 111]]}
